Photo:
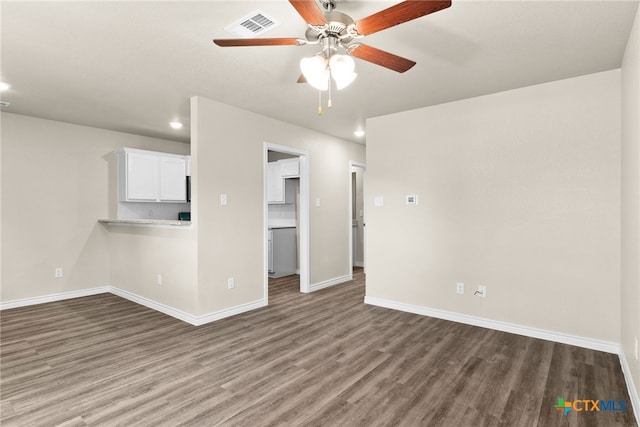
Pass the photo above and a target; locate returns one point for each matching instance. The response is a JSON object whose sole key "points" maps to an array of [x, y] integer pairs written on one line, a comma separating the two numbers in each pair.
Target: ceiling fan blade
{"points": [[309, 11], [380, 57], [398, 14], [259, 42]]}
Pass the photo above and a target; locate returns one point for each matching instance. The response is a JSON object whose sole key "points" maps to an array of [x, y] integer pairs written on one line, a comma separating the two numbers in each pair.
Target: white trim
{"points": [[330, 282], [631, 388], [304, 212], [130, 296], [54, 297], [231, 311], [154, 305], [590, 343], [363, 166], [184, 316], [304, 222]]}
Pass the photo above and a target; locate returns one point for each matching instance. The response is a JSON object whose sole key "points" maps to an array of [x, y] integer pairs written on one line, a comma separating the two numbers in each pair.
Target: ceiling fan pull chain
{"points": [[329, 103], [319, 102]]}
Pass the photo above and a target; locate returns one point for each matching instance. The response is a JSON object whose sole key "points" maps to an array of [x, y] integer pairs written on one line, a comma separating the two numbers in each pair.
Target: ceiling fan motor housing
{"points": [[338, 27]]}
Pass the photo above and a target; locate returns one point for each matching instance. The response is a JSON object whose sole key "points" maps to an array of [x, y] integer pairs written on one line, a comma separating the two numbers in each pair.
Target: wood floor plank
{"points": [[319, 359]]}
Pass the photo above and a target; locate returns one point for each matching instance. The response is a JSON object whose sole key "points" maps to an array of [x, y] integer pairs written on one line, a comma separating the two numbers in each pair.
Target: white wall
{"points": [[518, 191], [58, 179], [630, 262], [139, 254], [228, 157]]}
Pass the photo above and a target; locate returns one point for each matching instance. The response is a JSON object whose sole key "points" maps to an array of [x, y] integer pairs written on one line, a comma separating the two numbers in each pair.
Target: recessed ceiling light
{"points": [[176, 125], [359, 133], [4, 86]]}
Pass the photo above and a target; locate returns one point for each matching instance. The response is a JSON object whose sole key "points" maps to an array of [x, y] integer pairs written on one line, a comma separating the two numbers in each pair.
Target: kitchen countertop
{"points": [[152, 222], [274, 223]]}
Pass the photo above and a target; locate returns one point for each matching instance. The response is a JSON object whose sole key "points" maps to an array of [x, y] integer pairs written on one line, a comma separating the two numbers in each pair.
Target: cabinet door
{"points": [[275, 183], [173, 179], [290, 168], [284, 252], [142, 177]]}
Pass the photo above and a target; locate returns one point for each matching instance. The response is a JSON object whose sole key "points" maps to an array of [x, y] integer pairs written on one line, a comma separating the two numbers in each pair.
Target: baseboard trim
{"points": [[154, 305], [232, 311], [24, 302], [187, 317], [331, 282], [358, 264], [593, 344], [631, 386], [130, 296]]}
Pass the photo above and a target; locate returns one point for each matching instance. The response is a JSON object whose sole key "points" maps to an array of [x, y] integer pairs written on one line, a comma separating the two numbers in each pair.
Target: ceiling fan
{"points": [[335, 30]]}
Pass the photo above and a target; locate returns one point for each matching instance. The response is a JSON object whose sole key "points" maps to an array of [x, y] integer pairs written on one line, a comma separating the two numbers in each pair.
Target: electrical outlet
{"points": [[58, 273], [460, 288], [223, 200], [411, 199], [231, 283], [159, 279], [482, 291]]}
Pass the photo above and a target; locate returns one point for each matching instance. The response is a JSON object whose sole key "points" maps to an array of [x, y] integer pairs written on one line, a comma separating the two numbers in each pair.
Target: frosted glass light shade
{"points": [[341, 64], [342, 67], [345, 80], [315, 71]]}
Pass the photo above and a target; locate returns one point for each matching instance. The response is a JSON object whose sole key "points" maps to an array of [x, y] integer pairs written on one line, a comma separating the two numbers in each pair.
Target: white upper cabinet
{"points": [[275, 183], [141, 177], [289, 168], [173, 184], [150, 176], [277, 174]]}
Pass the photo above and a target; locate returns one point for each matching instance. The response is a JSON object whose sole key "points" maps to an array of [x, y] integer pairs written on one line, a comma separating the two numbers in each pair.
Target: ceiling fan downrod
{"points": [[328, 5]]}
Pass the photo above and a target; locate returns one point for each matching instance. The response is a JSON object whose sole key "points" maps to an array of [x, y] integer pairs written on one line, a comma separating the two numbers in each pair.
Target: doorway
{"points": [[357, 217], [301, 215]]}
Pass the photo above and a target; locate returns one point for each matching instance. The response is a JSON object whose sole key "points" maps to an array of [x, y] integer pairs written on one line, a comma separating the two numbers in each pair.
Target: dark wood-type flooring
{"points": [[322, 359]]}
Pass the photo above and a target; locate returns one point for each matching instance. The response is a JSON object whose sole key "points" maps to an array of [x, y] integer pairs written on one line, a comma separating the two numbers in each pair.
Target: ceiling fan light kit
{"points": [[342, 70], [316, 71], [318, 68], [335, 31]]}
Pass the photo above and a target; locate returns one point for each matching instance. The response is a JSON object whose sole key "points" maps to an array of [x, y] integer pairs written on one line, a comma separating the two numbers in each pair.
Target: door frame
{"points": [[303, 220], [363, 166]]}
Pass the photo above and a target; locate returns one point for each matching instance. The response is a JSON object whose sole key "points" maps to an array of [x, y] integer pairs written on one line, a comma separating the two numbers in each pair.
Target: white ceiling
{"points": [[132, 66]]}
